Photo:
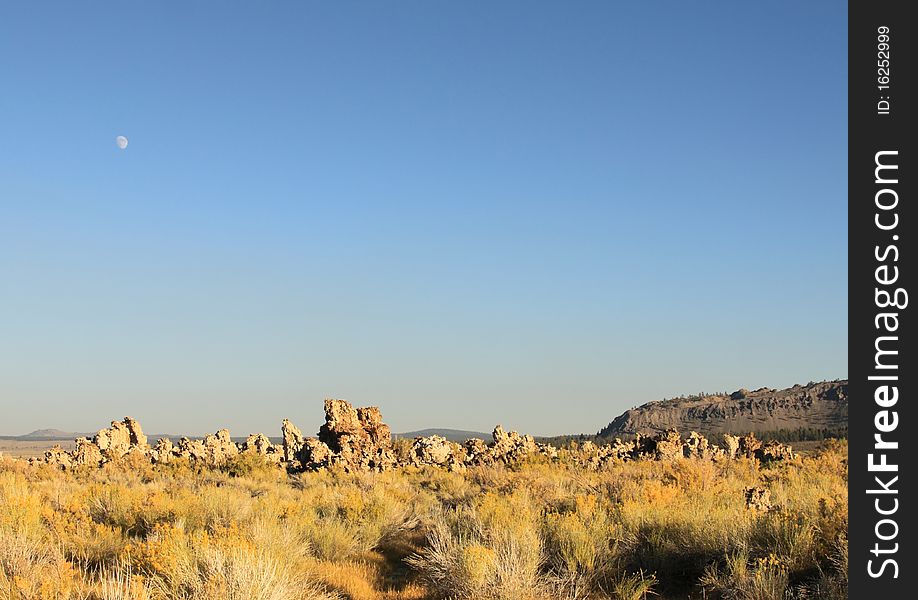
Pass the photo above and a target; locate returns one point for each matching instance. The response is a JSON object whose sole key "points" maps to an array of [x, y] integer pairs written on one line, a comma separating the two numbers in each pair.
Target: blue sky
{"points": [[532, 213]]}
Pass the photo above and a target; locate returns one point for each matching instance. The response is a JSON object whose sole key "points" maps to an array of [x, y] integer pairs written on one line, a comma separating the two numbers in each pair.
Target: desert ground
{"points": [[31, 448], [563, 526]]}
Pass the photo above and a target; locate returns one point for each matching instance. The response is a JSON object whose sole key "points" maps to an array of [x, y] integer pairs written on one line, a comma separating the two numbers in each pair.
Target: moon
{"points": [[121, 141]]}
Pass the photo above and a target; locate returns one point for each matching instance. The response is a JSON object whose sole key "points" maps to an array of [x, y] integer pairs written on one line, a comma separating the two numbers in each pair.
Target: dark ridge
{"points": [[796, 413]]}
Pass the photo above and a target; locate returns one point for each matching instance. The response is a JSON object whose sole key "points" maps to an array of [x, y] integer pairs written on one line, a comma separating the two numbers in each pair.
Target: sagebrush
{"points": [[537, 529]]}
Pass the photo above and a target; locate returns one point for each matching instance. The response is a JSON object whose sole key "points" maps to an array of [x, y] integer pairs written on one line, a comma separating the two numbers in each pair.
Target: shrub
{"points": [[557, 530], [493, 550], [762, 579]]}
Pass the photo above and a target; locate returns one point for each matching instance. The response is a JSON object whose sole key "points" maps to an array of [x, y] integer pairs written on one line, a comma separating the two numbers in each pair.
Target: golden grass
{"points": [[537, 530]]}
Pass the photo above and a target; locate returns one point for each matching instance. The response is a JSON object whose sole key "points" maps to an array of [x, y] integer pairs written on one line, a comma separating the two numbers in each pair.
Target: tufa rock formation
{"points": [[59, 457], [698, 446], [356, 439], [259, 443], [773, 451], [126, 438], [87, 453], [214, 450], [292, 440], [219, 447], [505, 447], [163, 452], [758, 498], [121, 438], [315, 454], [731, 445], [669, 446], [437, 451]]}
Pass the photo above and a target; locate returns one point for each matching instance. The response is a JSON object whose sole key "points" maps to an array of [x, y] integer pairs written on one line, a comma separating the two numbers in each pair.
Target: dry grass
{"points": [[537, 530]]}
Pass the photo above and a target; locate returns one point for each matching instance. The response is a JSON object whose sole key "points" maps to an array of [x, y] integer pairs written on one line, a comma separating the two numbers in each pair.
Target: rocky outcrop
{"points": [[506, 447], [58, 457], [749, 445], [670, 446], [189, 449], [120, 439], [666, 446], [814, 406], [214, 450], [88, 453], [698, 446], [219, 447], [112, 443], [758, 498], [345, 425], [437, 451], [731, 445], [126, 438], [475, 451], [773, 451], [354, 439], [510, 446], [163, 451], [357, 439], [292, 440], [314, 455], [260, 444]]}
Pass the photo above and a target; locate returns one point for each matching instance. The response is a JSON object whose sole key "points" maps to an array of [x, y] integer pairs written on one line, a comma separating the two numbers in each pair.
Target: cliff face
{"points": [[817, 405]]}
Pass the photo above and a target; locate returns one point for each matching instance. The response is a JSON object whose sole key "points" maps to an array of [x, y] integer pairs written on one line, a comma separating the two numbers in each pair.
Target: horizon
{"points": [[466, 215], [395, 430]]}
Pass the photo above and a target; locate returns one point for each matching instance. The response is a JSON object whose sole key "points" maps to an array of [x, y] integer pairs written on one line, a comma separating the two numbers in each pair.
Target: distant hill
{"points": [[813, 407], [453, 435], [801, 412], [52, 434]]}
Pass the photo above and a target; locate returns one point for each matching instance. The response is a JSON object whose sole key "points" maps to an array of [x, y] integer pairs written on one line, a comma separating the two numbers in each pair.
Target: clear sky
{"points": [[532, 213]]}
